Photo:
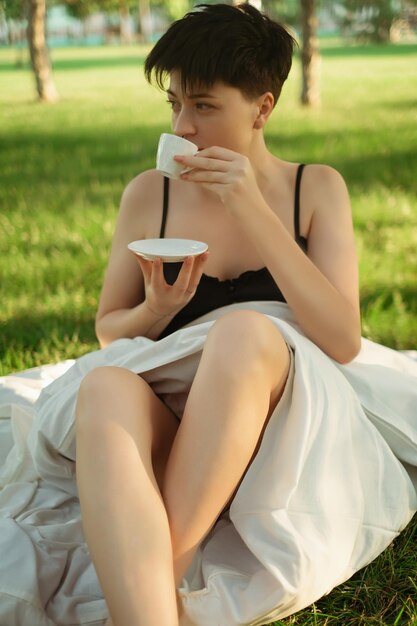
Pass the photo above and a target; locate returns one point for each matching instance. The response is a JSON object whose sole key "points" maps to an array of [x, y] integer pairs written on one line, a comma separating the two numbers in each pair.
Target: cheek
{"points": [[224, 131], [239, 131]]}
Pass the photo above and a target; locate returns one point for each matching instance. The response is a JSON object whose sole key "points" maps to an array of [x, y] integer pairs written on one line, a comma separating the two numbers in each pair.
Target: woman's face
{"points": [[215, 116]]}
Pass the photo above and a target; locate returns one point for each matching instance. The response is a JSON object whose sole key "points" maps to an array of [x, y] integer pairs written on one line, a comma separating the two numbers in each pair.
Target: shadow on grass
{"points": [[88, 162], [27, 333], [133, 60], [389, 165], [353, 50], [392, 170], [400, 105], [100, 62], [388, 298], [78, 159], [137, 57]]}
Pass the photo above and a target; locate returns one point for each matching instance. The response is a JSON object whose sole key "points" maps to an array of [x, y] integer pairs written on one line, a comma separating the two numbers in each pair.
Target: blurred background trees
{"points": [[129, 21], [378, 20]]}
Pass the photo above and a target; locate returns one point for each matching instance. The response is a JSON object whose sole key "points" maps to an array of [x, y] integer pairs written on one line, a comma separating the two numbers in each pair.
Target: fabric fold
{"points": [[329, 489]]}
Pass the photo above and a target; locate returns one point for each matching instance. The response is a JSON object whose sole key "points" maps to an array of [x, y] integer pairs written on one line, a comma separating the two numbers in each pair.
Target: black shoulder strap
{"points": [[164, 207], [297, 201]]}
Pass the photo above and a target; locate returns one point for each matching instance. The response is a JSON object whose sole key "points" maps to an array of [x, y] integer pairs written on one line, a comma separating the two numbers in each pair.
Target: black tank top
{"points": [[213, 293]]}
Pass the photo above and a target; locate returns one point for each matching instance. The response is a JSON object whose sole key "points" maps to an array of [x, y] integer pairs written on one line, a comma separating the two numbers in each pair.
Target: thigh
{"points": [[246, 340], [242, 340], [113, 394]]}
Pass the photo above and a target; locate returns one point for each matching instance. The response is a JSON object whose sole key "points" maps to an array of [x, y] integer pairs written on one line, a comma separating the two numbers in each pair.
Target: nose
{"points": [[184, 125]]}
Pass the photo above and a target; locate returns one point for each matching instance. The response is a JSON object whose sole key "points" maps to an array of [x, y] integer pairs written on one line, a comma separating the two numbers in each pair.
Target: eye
{"points": [[203, 106], [175, 106]]}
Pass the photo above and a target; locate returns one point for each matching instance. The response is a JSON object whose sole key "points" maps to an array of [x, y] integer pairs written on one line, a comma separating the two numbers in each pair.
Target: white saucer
{"points": [[169, 250]]}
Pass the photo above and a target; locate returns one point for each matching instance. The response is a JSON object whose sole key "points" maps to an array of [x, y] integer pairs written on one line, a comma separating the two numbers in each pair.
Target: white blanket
{"points": [[333, 483]]}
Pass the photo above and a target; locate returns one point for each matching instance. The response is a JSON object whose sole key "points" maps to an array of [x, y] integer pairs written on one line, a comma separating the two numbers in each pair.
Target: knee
{"points": [[90, 394], [245, 339], [98, 381], [96, 394]]}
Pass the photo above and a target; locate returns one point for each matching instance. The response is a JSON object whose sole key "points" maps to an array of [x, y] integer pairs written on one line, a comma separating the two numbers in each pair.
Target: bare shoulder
{"points": [[141, 203], [326, 188], [142, 189], [330, 232]]}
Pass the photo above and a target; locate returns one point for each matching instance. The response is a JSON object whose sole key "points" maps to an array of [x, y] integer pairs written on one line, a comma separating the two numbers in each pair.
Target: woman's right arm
{"points": [[135, 299], [122, 311]]}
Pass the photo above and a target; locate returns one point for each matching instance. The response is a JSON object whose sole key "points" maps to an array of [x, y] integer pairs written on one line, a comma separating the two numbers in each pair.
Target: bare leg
{"points": [[240, 378], [124, 434]]}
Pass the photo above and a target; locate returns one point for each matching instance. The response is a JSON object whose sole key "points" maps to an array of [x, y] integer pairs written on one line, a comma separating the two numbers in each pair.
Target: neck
{"points": [[262, 160]]}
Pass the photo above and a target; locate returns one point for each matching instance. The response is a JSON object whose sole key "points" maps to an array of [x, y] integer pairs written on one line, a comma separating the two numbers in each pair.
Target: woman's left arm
{"points": [[321, 288]]}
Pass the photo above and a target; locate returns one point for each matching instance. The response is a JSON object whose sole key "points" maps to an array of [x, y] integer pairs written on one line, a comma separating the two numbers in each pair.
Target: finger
{"points": [[157, 277], [185, 273], [191, 281], [217, 152], [146, 267], [203, 162], [197, 272], [189, 276], [204, 176], [200, 260]]}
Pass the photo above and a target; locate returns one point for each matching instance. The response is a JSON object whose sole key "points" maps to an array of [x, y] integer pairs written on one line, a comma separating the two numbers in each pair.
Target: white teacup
{"points": [[170, 145]]}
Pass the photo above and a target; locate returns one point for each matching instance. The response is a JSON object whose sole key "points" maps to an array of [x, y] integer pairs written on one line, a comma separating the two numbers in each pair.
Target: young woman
{"points": [[275, 231], [229, 460]]}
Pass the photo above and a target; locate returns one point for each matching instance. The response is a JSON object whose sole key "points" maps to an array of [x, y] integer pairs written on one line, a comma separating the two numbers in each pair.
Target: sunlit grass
{"points": [[63, 169]]}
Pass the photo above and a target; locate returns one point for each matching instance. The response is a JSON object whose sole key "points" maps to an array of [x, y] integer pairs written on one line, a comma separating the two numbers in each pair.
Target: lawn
{"points": [[63, 169]]}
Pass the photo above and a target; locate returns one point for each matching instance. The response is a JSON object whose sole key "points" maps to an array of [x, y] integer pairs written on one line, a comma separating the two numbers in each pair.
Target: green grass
{"points": [[63, 169]]}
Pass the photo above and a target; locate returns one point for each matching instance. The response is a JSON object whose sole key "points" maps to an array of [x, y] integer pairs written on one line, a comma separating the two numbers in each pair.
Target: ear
{"points": [[264, 106]]}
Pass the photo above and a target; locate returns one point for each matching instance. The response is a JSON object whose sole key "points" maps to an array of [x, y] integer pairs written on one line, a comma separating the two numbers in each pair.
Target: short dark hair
{"points": [[237, 45]]}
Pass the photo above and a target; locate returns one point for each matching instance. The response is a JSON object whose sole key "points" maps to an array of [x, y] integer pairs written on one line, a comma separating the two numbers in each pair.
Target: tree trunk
{"points": [[145, 21], [310, 57], [38, 51], [126, 34]]}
